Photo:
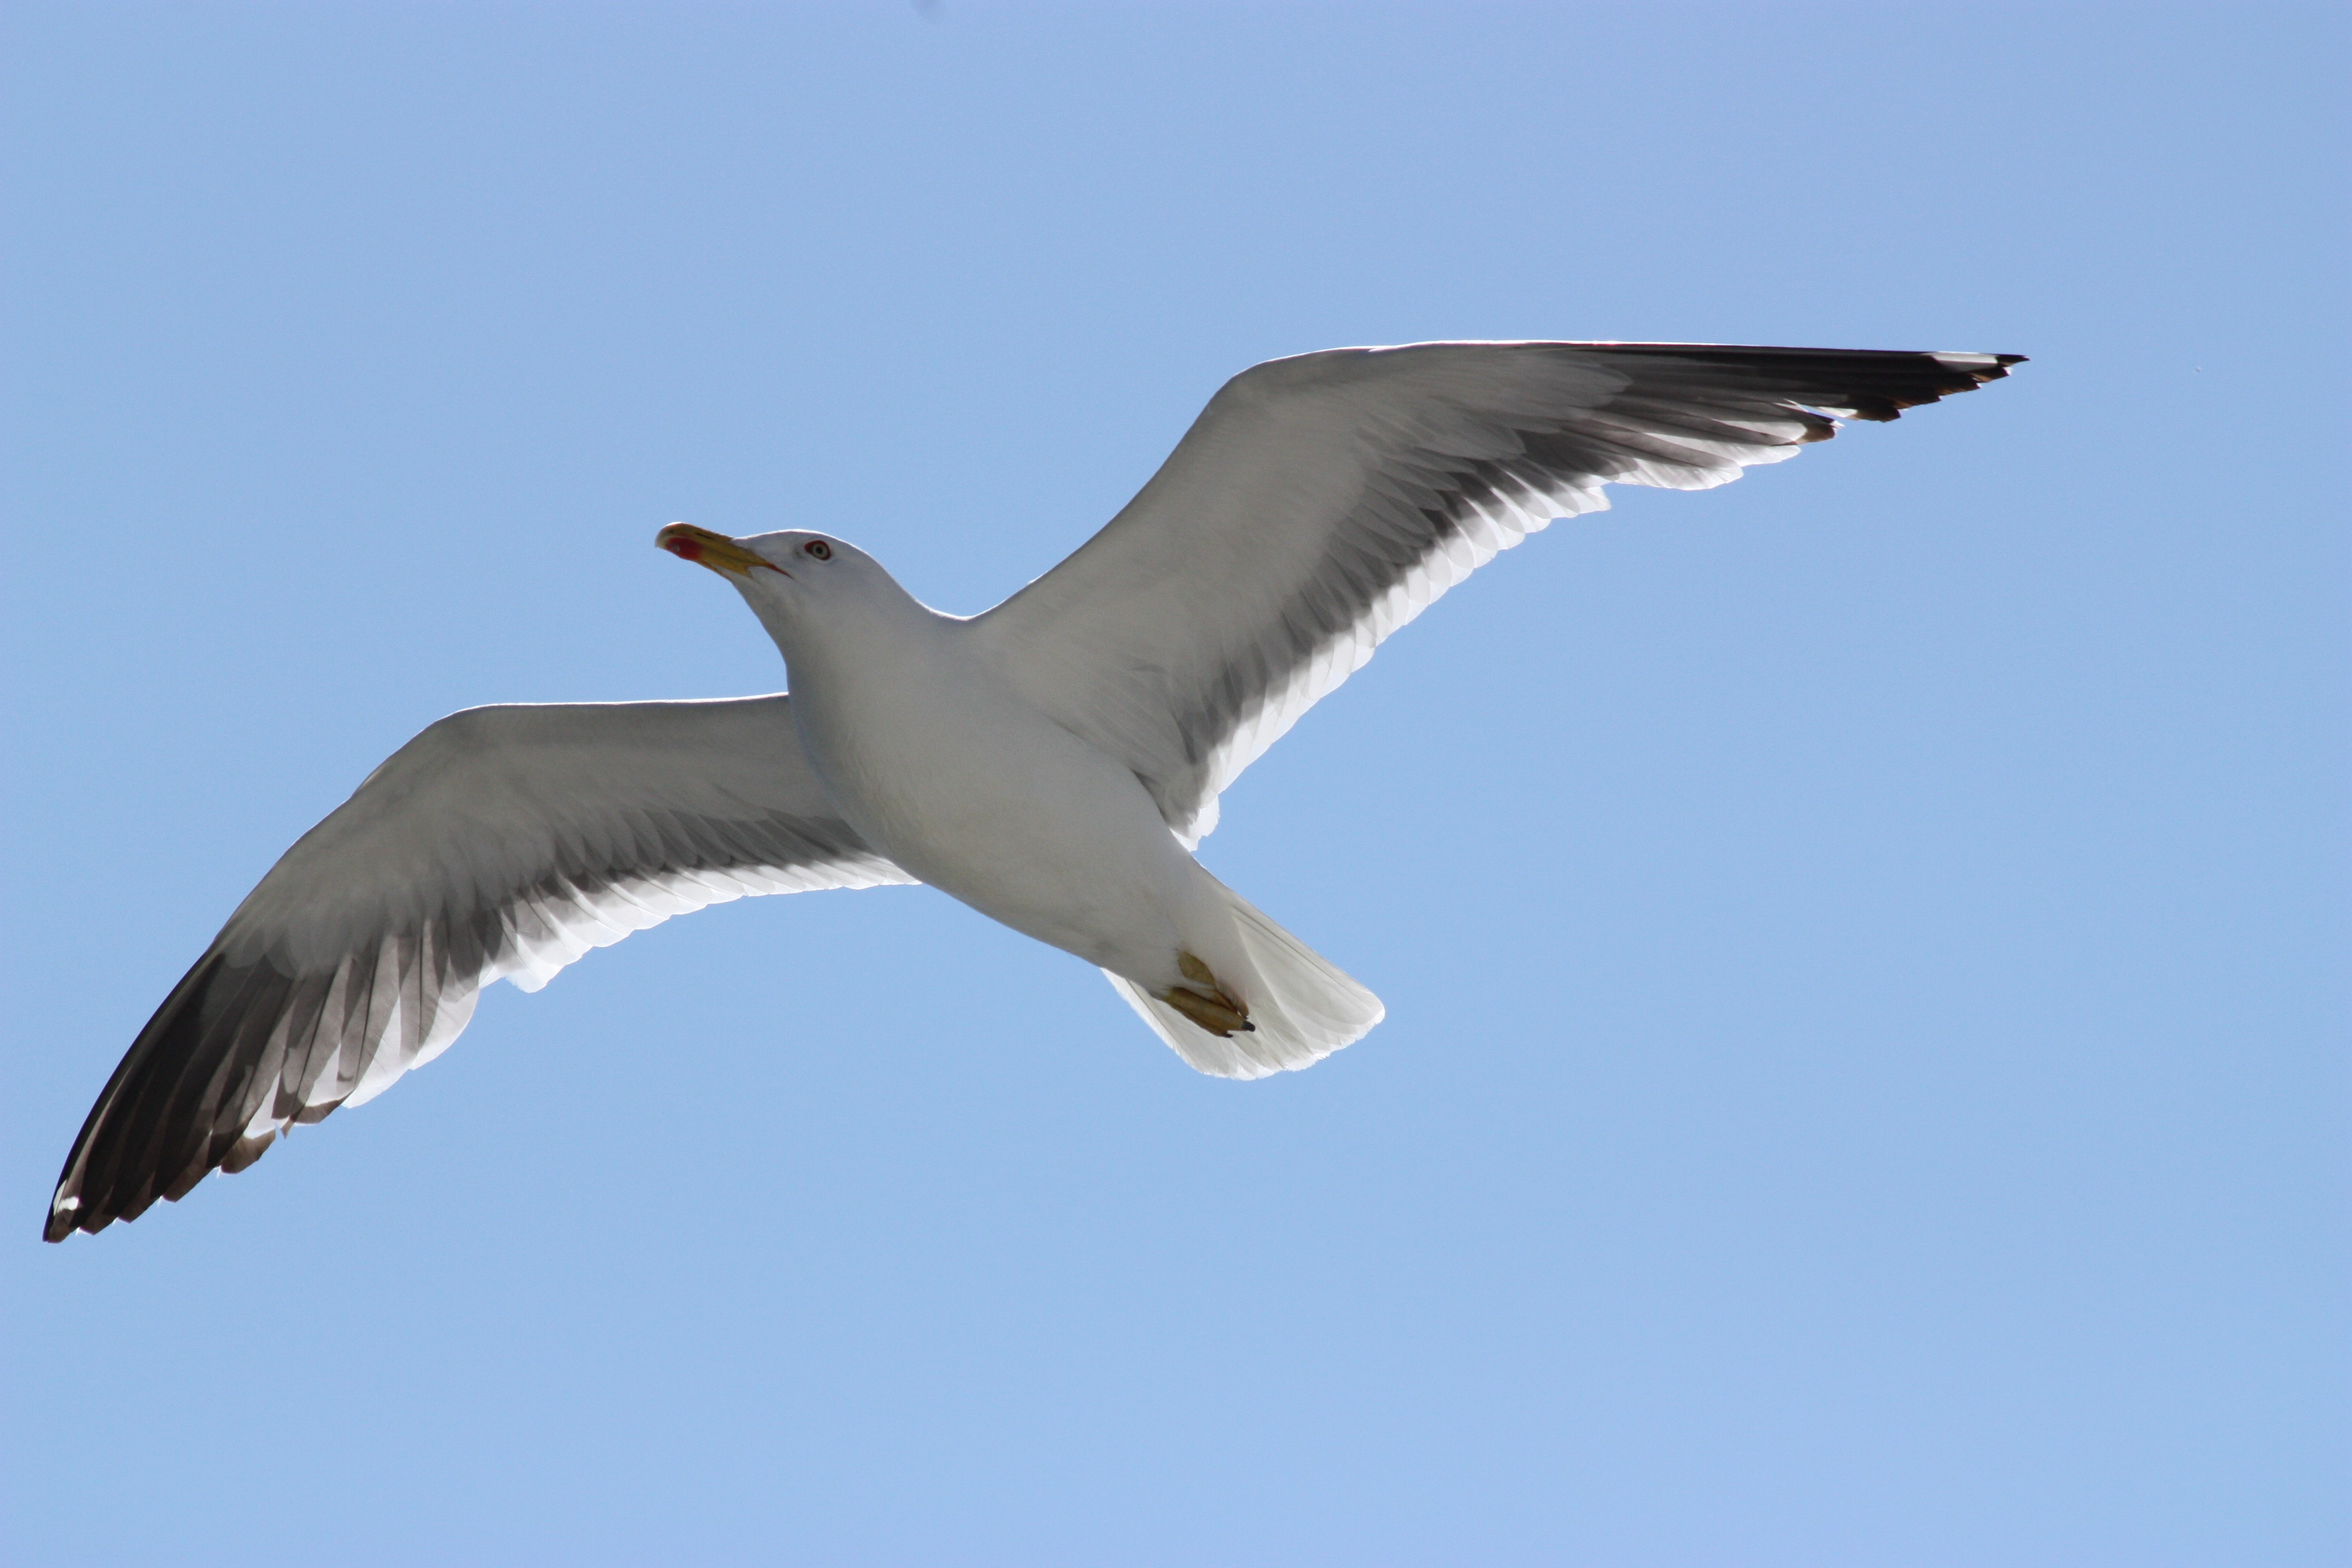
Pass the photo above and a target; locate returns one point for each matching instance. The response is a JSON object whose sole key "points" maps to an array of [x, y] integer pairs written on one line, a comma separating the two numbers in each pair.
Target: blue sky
{"points": [[1864, 1076]]}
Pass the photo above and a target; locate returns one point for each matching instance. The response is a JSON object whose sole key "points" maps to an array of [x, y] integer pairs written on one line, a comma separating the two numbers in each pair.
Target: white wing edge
{"points": [[549, 932]]}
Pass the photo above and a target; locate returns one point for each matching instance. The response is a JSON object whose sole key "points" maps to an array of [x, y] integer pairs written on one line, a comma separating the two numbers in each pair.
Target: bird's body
{"points": [[932, 755], [1051, 763]]}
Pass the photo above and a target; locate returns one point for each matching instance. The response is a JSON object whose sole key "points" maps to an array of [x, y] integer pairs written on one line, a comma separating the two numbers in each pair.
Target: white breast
{"points": [[933, 757]]}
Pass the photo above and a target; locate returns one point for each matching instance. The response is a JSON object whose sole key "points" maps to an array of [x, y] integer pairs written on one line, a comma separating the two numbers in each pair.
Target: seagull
{"points": [[1053, 763]]}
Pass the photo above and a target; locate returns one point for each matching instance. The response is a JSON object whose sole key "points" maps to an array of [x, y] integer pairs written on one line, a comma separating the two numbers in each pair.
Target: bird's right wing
{"points": [[500, 843]]}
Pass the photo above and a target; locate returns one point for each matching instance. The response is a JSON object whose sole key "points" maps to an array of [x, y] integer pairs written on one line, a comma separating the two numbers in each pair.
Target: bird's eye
{"points": [[819, 548]]}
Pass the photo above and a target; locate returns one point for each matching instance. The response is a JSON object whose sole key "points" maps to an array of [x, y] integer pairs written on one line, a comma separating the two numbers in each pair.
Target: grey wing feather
{"points": [[500, 843], [1320, 503]]}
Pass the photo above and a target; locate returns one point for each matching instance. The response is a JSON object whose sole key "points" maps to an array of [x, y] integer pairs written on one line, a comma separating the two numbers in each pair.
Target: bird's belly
{"points": [[1017, 817]]}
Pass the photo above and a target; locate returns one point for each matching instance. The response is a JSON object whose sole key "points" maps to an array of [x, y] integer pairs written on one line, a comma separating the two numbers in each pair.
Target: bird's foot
{"points": [[1215, 1010]]}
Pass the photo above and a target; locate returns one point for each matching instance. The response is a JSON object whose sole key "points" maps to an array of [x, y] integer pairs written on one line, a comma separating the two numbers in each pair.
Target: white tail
{"points": [[1304, 1007]]}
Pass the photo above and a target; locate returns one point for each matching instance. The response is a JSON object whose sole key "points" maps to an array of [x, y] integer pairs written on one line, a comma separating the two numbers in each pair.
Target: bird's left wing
{"points": [[1320, 503], [500, 843]]}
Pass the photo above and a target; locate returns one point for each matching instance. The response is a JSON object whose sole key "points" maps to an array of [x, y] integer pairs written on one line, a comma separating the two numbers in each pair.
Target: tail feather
{"points": [[1304, 1007]]}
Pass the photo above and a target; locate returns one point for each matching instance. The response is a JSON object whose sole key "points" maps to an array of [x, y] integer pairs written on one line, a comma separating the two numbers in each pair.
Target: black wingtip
{"points": [[2000, 366], [67, 1214], [150, 1132], [1872, 384]]}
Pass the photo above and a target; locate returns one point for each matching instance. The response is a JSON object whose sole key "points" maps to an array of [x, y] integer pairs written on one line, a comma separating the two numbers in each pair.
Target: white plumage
{"points": [[1050, 763]]}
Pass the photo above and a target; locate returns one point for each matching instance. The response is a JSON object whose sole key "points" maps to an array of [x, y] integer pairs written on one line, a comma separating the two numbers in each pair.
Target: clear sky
{"points": [[1864, 1076]]}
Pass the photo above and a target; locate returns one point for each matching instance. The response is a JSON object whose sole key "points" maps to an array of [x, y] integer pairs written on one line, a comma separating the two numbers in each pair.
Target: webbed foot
{"points": [[1215, 1011]]}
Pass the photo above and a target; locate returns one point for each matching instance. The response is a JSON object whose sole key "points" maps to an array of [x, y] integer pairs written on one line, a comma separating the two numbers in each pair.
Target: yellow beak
{"points": [[716, 550]]}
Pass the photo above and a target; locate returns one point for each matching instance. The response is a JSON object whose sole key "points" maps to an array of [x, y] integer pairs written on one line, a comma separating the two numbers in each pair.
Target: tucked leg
{"points": [[1205, 1002]]}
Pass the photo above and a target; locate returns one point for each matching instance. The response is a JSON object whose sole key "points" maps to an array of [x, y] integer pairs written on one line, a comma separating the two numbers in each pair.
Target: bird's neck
{"points": [[860, 650]]}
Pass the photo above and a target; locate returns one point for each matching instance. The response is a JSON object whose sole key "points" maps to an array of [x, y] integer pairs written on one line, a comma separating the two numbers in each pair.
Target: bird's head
{"points": [[822, 562], [792, 578]]}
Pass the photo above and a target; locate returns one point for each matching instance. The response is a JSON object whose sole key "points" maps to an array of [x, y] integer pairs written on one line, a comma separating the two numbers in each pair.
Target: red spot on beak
{"points": [[683, 547]]}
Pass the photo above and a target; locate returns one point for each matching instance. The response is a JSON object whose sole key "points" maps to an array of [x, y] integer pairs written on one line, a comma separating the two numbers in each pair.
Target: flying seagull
{"points": [[1051, 763]]}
